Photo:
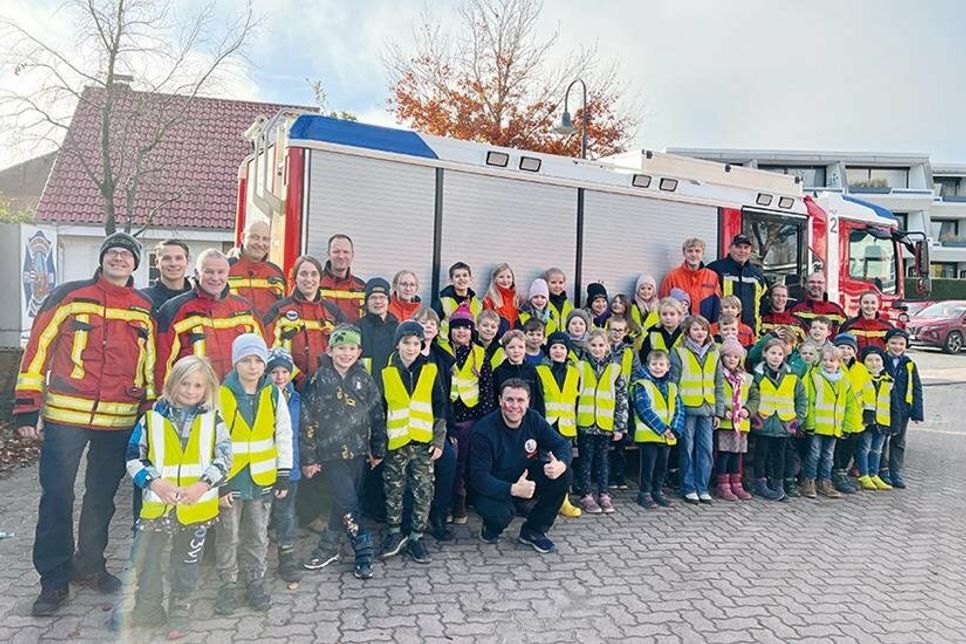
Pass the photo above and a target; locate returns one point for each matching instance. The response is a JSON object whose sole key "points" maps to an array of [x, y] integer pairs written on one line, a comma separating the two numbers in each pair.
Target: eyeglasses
{"points": [[120, 253]]}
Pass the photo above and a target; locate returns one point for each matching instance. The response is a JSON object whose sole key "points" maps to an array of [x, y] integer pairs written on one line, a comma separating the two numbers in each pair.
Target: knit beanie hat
{"points": [[248, 344], [121, 240], [644, 278], [846, 338], [594, 291], [558, 337], [345, 334], [872, 349], [279, 357], [376, 285], [892, 333], [461, 317], [409, 327], [732, 346], [578, 313], [539, 287], [681, 296]]}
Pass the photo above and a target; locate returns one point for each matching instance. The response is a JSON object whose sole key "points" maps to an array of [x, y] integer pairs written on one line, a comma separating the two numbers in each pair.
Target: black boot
{"points": [[362, 548], [437, 528]]}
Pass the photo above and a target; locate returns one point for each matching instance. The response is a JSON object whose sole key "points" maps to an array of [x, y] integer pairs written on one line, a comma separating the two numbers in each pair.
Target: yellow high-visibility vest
{"points": [[644, 322], [409, 418], [550, 326], [497, 358], [253, 447], [560, 315], [828, 404], [858, 377], [449, 304], [181, 467], [561, 404], [697, 381], [745, 423], [466, 380], [627, 363], [879, 399], [597, 403], [665, 409], [778, 400]]}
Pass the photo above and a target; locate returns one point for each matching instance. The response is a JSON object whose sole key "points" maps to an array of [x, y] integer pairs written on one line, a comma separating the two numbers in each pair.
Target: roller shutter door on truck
{"points": [[489, 220], [386, 207], [625, 236]]}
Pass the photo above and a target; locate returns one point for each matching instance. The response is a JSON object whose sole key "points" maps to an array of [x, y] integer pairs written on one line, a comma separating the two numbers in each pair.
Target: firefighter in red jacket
{"points": [[251, 275], [88, 371], [778, 314], [338, 284], [867, 327], [817, 304], [301, 323], [205, 320]]}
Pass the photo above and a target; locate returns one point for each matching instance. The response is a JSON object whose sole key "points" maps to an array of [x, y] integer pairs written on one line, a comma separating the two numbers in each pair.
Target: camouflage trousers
{"points": [[410, 465]]}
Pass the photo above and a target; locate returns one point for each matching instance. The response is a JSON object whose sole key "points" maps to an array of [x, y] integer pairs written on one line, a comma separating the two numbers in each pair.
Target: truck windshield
{"points": [[778, 244], [873, 260]]}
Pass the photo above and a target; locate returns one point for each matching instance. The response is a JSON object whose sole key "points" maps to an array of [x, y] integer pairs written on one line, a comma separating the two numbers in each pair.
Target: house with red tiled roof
{"points": [[187, 181]]}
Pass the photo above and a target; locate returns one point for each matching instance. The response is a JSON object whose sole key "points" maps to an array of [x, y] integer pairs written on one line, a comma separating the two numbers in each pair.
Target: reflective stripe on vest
{"points": [[909, 367], [778, 400], [596, 404], [745, 423], [879, 398], [829, 405], [181, 468], [466, 379], [409, 418], [253, 447], [663, 407], [697, 380], [561, 404]]}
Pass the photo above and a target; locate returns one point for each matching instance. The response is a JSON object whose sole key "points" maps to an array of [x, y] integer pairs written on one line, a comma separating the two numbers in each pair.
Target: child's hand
{"points": [[728, 414], [281, 487], [743, 413], [168, 491], [191, 494], [669, 435], [617, 436], [308, 471], [435, 452]]}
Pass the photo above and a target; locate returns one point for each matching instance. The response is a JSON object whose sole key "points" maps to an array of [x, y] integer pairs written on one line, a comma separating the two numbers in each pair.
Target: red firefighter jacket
{"points": [[196, 323], [808, 310], [773, 319], [867, 332], [261, 283], [348, 293], [90, 358], [302, 327]]}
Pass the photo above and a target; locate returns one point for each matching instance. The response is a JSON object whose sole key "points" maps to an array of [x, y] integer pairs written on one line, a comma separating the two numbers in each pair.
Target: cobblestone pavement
{"points": [[875, 567]]}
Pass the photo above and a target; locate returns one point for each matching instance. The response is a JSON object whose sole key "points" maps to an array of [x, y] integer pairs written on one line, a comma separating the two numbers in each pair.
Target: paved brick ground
{"points": [[876, 567]]}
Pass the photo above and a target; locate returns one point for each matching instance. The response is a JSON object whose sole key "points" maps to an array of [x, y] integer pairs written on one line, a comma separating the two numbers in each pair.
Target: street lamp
{"points": [[566, 125]]}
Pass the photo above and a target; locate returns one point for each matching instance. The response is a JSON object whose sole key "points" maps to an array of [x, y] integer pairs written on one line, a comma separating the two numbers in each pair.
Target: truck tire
{"points": [[953, 343]]}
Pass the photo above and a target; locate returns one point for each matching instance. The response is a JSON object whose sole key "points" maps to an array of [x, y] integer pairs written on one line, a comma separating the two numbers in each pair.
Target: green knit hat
{"points": [[345, 334]]}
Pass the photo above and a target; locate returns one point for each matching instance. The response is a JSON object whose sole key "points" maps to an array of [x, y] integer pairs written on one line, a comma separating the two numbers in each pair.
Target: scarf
{"points": [[699, 349], [832, 377], [736, 380]]}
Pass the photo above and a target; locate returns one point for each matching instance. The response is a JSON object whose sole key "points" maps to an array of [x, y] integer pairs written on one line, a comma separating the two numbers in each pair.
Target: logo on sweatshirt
{"points": [[531, 447]]}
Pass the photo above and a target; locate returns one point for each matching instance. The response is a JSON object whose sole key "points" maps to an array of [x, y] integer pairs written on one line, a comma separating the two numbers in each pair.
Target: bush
{"points": [[942, 289]]}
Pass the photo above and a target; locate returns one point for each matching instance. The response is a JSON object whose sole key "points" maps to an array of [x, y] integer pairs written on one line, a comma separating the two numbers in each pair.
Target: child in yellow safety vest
{"points": [[776, 418], [458, 292], [261, 436], [644, 308], [487, 332], [696, 370], [622, 347], [601, 419], [830, 407], [845, 446], [537, 307], [731, 438], [907, 405], [559, 382], [659, 420], [876, 416], [178, 454], [416, 431], [560, 306], [667, 334], [470, 394], [577, 327]]}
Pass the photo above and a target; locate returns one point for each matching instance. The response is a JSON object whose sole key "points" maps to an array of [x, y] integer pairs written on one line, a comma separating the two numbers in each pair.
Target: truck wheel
{"points": [[954, 342]]}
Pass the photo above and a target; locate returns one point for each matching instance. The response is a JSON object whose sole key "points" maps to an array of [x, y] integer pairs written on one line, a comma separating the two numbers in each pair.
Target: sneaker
{"points": [[762, 489], [487, 538], [438, 529], [100, 580], [392, 545], [49, 601], [288, 567], [897, 481], [661, 500], [227, 599], [878, 483], [840, 481], [362, 570], [866, 482], [589, 505], [606, 504], [258, 596], [692, 497], [569, 510], [704, 497], [536, 540], [791, 490], [417, 551], [459, 510], [646, 501], [885, 476], [320, 559]]}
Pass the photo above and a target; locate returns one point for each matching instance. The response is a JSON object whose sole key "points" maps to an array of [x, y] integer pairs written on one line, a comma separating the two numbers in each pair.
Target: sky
{"points": [[883, 76]]}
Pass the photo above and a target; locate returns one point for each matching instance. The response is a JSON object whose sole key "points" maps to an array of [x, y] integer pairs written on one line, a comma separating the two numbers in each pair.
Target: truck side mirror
{"points": [[921, 264]]}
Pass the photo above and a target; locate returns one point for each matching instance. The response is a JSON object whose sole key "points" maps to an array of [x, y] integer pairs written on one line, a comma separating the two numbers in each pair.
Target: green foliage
{"points": [[10, 215], [942, 289]]}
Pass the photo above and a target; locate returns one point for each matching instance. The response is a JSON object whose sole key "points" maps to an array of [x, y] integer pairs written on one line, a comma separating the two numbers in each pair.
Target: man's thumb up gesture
{"points": [[554, 468], [523, 488]]}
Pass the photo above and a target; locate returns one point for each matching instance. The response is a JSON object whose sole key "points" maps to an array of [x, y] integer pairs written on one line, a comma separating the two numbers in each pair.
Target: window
{"points": [[778, 244], [878, 177], [948, 186], [945, 270], [872, 260], [903, 218], [945, 229], [811, 176], [153, 273]]}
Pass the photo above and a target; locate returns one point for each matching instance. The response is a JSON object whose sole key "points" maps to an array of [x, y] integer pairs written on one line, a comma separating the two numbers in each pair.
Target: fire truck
{"points": [[422, 202]]}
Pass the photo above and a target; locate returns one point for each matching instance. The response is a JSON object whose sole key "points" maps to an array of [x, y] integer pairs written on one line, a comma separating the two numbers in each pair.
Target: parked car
{"points": [[914, 307], [942, 325]]}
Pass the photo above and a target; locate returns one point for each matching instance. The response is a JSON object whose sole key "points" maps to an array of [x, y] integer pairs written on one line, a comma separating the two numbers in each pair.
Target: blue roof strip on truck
{"points": [[311, 127], [879, 210]]}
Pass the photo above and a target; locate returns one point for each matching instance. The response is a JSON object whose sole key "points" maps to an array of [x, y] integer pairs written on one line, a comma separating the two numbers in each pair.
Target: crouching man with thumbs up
{"points": [[514, 456]]}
